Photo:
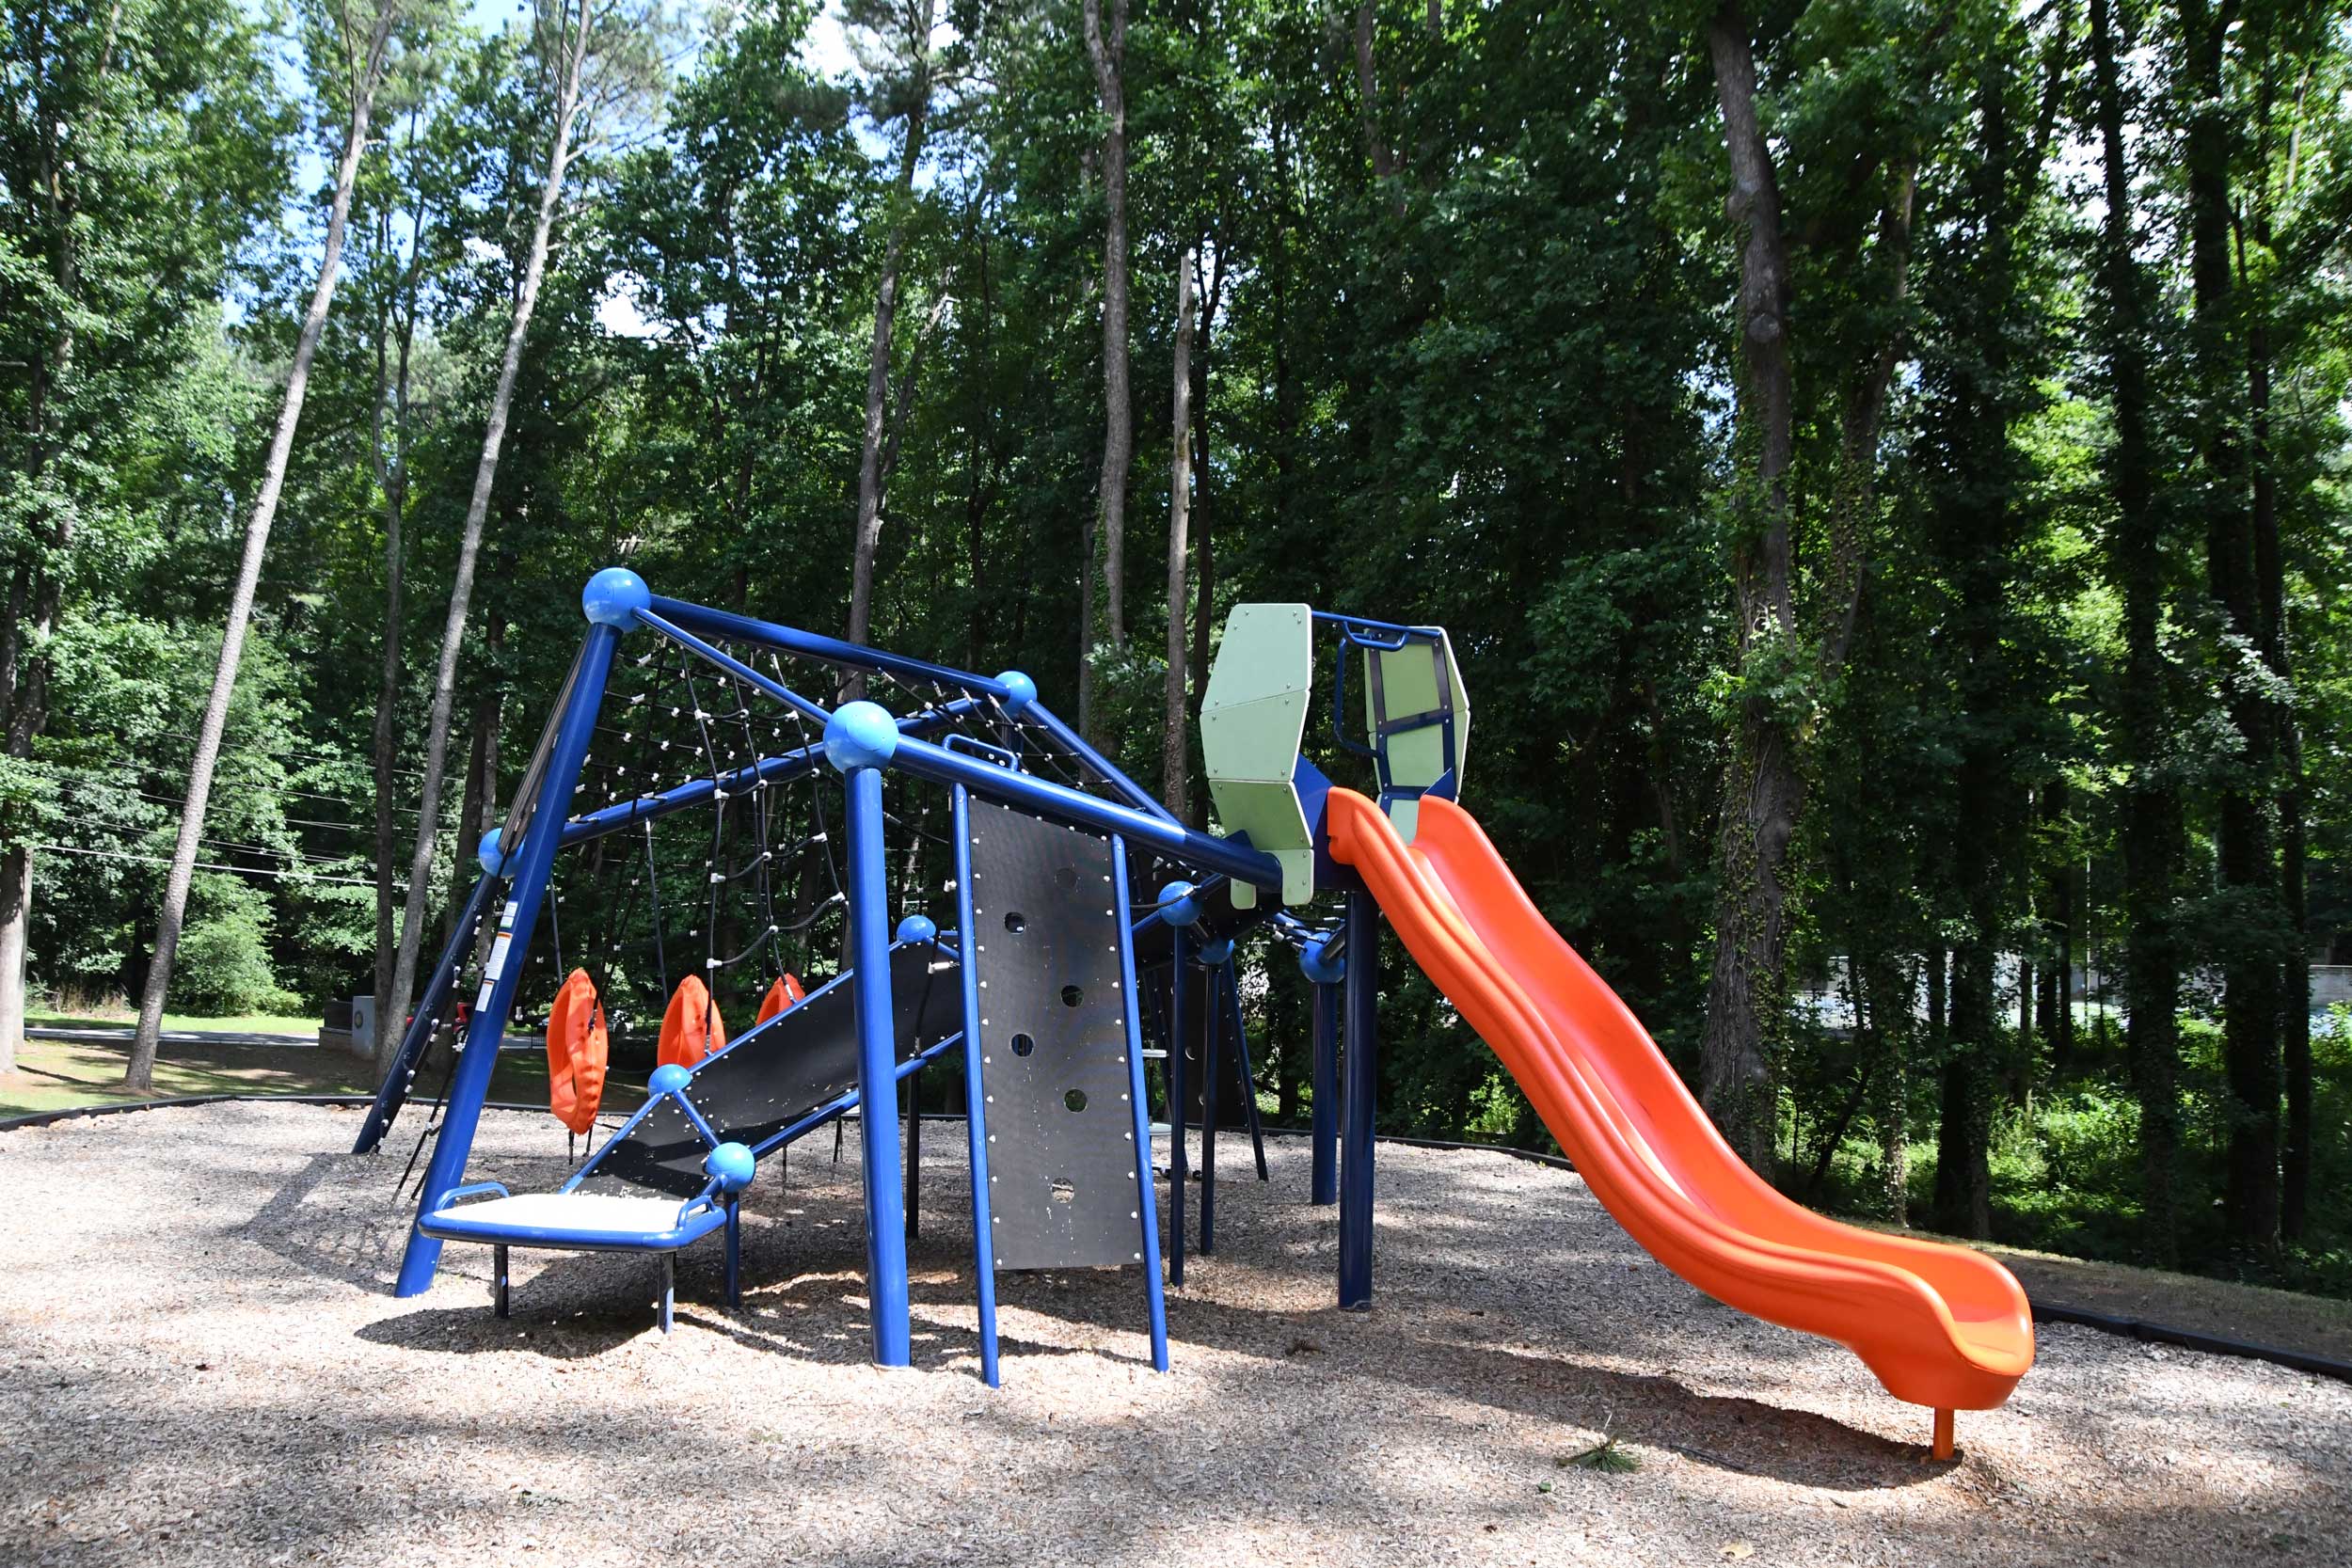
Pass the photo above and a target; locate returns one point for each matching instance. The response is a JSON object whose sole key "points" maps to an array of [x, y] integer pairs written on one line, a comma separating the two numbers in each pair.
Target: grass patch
{"points": [[1610, 1456], [57, 1075]]}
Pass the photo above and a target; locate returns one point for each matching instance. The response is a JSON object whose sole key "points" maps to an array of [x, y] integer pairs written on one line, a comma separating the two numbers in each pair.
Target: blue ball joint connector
{"points": [[1178, 906], [1215, 954], [668, 1079], [731, 1167], [860, 735], [613, 596], [1020, 691], [1323, 962], [489, 854], [917, 928]]}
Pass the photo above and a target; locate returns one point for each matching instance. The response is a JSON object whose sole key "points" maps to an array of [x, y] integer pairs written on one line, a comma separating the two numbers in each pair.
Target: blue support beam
{"points": [[1070, 739], [976, 1096], [1361, 1065], [471, 1085], [707, 622], [1147, 1209], [1075, 809], [877, 1074]]}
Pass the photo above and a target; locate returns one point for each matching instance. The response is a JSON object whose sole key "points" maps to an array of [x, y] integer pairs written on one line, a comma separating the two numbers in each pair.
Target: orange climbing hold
{"points": [[785, 994], [691, 1029], [577, 1052]]}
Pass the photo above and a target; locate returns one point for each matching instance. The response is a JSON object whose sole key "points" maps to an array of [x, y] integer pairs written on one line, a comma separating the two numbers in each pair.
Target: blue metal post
{"points": [[876, 1062], [1179, 1160], [1362, 1064], [976, 1098], [471, 1085], [1212, 1080], [1147, 1210], [1324, 1127]]}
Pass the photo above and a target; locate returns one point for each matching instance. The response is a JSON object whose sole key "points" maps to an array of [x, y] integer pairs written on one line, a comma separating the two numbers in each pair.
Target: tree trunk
{"points": [[1173, 766], [2249, 873], [1204, 536], [1885, 990], [1107, 50], [2294, 974], [37, 584], [869, 475], [391, 477], [478, 809], [1963, 1174], [16, 908], [980, 443], [2055, 1003], [1368, 97], [1762, 790], [2151, 811], [570, 70], [140, 1072]]}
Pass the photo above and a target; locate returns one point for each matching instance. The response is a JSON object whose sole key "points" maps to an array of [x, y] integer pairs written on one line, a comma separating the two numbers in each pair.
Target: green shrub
{"points": [[224, 965]]}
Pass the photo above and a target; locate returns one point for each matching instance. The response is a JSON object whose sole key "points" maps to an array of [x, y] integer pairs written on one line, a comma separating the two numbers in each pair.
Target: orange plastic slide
{"points": [[1941, 1325]]}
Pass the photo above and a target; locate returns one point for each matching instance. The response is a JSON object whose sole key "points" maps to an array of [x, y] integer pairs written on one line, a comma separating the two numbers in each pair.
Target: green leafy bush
{"points": [[224, 964]]}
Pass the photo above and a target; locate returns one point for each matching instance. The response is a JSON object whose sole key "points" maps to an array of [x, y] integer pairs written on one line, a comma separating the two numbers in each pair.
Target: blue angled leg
{"points": [[1323, 1131], [1147, 1209], [976, 1096], [1361, 1065], [529, 866], [1179, 1159], [1212, 1080]]}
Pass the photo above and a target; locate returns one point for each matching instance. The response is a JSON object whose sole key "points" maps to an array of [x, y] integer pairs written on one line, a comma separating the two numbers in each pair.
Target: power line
{"points": [[206, 866]]}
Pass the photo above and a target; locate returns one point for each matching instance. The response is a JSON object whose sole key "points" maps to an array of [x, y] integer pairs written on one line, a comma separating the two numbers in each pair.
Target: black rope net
{"points": [[746, 885]]}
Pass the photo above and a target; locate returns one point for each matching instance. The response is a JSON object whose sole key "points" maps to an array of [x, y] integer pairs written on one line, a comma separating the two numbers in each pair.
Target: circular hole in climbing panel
{"points": [[1022, 1045], [1066, 879], [1076, 1099], [1016, 922], [1071, 996]]}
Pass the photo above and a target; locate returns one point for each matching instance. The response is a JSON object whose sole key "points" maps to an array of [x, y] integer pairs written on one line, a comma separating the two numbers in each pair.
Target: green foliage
{"points": [[224, 966]]}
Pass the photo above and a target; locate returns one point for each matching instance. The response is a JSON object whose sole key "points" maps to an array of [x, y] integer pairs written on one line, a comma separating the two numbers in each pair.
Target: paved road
{"points": [[108, 1034]]}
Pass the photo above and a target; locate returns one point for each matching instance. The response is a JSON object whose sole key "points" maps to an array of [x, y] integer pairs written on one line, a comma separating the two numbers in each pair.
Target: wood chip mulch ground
{"points": [[201, 1363]]}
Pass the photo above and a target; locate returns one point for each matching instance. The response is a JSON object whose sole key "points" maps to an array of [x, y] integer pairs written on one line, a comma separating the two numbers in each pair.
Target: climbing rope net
{"points": [[703, 842]]}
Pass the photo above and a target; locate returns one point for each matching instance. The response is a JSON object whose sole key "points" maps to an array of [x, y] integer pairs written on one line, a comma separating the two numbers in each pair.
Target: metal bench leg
{"points": [[498, 1280], [669, 1288], [735, 1256]]}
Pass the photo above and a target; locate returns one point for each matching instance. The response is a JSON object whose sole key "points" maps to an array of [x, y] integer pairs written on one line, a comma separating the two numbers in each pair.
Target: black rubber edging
{"points": [[2190, 1339], [2044, 1311]]}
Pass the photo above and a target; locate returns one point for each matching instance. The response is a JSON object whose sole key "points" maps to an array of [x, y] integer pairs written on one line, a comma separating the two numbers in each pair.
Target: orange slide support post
{"points": [[1939, 1325]]}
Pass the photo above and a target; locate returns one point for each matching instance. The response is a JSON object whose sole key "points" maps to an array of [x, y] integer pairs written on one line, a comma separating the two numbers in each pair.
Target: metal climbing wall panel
{"points": [[1046, 940]]}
